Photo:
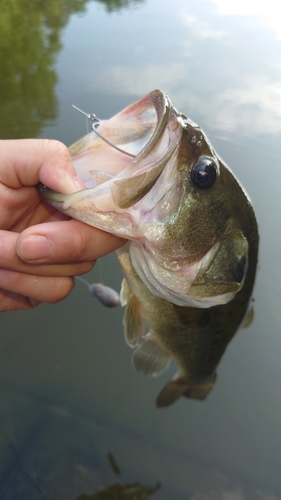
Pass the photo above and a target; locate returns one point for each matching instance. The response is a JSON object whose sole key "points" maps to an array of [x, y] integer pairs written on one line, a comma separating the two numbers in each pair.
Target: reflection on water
{"points": [[267, 13], [30, 41], [113, 5], [133, 491], [242, 98], [118, 491], [113, 463]]}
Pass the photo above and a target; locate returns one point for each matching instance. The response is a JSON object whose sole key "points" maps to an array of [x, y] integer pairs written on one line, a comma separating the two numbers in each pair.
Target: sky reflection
{"points": [[268, 13], [219, 67]]}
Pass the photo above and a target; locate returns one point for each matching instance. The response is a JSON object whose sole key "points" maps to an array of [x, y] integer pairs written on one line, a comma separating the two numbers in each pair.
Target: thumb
{"points": [[26, 162]]}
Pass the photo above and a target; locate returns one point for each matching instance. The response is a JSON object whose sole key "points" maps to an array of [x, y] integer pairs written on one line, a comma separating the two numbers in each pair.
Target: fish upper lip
{"points": [[162, 120]]}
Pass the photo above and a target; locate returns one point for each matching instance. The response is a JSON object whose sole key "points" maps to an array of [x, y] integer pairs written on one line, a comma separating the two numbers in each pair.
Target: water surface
{"points": [[68, 392]]}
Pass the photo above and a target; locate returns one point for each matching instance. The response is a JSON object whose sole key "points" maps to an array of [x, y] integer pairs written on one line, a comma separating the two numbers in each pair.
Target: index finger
{"points": [[25, 162]]}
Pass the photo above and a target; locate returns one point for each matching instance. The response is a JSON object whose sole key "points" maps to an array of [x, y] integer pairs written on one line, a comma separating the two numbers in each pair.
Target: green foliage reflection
{"points": [[112, 5], [30, 39], [29, 42]]}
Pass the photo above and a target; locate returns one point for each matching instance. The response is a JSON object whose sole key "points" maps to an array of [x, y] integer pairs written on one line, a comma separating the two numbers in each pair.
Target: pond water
{"points": [[68, 394]]}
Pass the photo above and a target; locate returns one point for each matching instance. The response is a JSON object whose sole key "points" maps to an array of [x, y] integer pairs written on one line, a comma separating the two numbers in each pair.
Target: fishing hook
{"points": [[96, 122]]}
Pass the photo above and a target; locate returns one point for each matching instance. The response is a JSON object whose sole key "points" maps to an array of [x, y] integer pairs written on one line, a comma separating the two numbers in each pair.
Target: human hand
{"points": [[41, 249]]}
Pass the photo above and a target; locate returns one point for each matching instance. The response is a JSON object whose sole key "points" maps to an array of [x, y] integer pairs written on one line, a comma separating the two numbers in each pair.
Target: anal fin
{"points": [[171, 392], [179, 387], [149, 358]]}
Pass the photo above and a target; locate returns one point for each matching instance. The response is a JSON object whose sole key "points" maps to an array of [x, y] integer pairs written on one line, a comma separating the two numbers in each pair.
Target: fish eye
{"points": [[204, 173]]}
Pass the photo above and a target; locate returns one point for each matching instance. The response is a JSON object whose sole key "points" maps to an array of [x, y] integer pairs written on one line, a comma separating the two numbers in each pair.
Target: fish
{"points": [[152, 177]]}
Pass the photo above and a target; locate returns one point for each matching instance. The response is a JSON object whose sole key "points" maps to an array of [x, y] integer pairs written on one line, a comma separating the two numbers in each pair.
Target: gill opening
{"points": [[96, 122]]}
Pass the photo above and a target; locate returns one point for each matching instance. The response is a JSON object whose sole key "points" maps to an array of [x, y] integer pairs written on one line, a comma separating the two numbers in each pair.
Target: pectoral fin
{"points": [[124, 293], [134, 325], [149, 358]]}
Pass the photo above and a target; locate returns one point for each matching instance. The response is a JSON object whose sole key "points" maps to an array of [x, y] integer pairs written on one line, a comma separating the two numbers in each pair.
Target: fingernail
{"points": [[34, 248], [68, 185], [79, 184]]}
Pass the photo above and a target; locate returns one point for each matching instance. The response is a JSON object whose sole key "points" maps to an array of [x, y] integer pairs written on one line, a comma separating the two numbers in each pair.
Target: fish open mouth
{"points": [[148, 133], [134, 132]]}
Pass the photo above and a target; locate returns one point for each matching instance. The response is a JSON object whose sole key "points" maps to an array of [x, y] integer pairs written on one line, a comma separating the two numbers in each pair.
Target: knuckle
{"points": [[79, 247], [51, 145], [61, 152], [57, 147]]}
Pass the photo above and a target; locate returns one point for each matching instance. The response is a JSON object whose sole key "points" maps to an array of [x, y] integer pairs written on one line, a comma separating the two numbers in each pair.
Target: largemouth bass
{"points": [[190, 261]]}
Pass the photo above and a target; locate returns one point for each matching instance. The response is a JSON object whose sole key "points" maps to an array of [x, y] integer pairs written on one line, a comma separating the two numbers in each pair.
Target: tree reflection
{"points": [[30, 39], [112, 5]]}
